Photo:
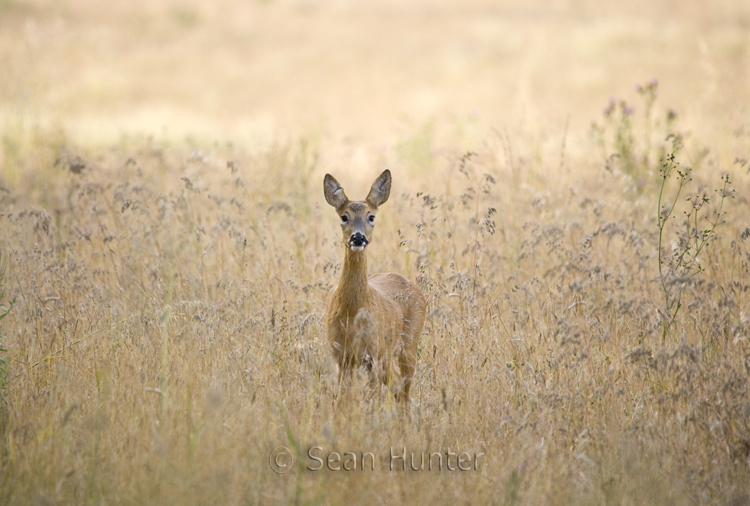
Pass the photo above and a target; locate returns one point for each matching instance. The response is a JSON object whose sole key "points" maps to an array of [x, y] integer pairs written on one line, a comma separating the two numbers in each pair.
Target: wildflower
{"points": [[610, 107]]}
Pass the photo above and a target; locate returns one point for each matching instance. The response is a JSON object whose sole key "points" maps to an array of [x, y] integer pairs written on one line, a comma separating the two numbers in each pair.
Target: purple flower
{"points": [[654, 82], [626, 109], [610, 107]]}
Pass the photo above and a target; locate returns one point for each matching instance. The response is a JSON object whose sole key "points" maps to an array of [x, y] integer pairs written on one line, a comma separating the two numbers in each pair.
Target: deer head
{"points": [[357, 216]]}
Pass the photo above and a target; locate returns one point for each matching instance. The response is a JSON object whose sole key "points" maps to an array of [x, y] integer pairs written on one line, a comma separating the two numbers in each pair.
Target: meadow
{"points": [[166, 251]]}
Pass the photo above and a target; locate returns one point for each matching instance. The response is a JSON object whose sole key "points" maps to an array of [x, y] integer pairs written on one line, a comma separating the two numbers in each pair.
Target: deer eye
{"points": [[371, 219], [344, 219]]}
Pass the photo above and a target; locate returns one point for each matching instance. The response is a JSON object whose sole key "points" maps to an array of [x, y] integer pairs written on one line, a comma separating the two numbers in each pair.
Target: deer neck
{"points": [[354, 291]]}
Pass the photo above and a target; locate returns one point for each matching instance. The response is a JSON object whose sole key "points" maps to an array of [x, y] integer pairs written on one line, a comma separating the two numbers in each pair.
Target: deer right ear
{"points": [[334, 192], [380, 190]]}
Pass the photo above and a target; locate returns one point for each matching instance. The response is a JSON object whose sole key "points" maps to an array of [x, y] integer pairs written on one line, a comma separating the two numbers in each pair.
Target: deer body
{"points": [[373, 322]]}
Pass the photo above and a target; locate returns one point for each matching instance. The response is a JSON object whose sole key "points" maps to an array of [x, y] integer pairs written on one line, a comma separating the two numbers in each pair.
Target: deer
{"points": [[374, 322]]}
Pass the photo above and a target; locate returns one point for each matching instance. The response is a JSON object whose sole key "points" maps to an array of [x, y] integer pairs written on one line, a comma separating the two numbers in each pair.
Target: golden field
{"points": [[166, 251]]}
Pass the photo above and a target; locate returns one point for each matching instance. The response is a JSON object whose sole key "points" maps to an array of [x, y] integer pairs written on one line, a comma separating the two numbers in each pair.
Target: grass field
{"points": [[166, 251]]}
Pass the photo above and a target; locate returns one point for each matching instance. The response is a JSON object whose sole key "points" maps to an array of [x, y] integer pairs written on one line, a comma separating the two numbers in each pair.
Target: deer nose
{"points": [[358, 240]]}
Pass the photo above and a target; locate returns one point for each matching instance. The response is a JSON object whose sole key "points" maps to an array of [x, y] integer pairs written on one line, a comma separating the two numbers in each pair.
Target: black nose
{"points": [[358, 240]]}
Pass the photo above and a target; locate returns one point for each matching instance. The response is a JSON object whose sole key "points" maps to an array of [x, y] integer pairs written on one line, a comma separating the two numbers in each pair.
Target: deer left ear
{"points": [[380, 190]]}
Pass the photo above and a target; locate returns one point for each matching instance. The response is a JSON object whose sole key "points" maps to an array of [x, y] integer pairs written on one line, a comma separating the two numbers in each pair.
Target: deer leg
{"points": [[346, 369], [408, 367]]}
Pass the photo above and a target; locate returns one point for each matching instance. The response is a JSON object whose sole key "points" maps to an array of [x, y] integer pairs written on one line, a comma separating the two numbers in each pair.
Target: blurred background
{"points": [[365, 73]]}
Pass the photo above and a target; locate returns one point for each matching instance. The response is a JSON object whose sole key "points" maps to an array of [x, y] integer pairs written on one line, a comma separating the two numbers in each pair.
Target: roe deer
{"points": [[375, 322]]}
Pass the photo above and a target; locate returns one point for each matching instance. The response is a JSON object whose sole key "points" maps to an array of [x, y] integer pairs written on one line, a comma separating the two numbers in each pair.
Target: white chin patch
{"points": [[356, 248]]}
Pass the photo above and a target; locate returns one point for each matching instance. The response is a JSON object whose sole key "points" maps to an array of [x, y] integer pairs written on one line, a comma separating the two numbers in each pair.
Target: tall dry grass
{"points": [[167, 332], [162, 291]]}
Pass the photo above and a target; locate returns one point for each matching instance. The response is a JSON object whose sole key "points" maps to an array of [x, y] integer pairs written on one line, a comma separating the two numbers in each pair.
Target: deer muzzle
{"points": [[357, 242]]}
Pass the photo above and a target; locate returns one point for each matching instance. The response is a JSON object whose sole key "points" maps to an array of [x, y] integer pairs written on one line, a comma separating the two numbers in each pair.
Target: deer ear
{"points": [[380, 190], [334, 192]]}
